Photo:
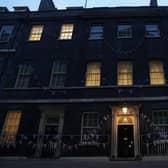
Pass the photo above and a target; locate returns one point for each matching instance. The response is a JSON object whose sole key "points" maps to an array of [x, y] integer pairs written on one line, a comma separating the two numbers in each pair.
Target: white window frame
{"points": [[161, 128], [24, 70], [53, 73], [1, 32], [66, 32], [94, 31], [92, 83], [124, 34], [123, 73], [83, 127], [34, 33], [151, 28], [52, 123], [160, 72]]}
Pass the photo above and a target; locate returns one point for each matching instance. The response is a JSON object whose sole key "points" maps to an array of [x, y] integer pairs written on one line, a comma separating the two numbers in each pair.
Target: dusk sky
{"points": [[33, 4]]}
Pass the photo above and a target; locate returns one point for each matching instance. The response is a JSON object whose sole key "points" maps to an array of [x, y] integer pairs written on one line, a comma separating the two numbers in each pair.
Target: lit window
{"points": [[125, 76], [58, 74], [156, 73], [36, 33], [5, 33], [93, 74], [24, 76], [66, 32], [11, 126], [152, 31], [90, 127], [96, 32], [124, 31]]}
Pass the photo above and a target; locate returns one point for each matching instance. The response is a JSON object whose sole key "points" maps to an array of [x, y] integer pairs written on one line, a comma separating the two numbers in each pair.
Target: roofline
{"points": [[98, 12]]}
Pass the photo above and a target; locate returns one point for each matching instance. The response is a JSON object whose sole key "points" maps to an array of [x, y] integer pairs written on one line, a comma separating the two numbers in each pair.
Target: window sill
{"points": [[4, 41], [96, 39], [89, 144], [64, 39], [125, 37], [33, 41], [87, 87], [151, 37]]}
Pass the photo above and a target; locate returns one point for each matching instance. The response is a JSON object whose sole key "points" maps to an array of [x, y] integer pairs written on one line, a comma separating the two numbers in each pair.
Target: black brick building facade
{"points": [[51, 107]]}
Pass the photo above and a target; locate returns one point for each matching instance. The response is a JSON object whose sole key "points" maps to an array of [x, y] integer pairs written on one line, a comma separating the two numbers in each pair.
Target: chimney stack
{"points": [[46, 5], [153, 3]]}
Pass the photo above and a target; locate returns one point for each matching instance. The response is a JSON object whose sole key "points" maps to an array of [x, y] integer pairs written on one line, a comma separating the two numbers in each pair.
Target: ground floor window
{"points": [[11, 126], [90, 128], [52, 125], [160, 124]]}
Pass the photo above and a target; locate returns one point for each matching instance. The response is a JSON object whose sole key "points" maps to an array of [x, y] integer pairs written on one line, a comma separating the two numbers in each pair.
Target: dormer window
{"points": [[5, 33], [124, 31], [152, 31]]}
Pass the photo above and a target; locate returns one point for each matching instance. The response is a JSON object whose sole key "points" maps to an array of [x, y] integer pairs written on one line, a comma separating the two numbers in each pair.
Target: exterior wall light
{"points": [[125, 109]]}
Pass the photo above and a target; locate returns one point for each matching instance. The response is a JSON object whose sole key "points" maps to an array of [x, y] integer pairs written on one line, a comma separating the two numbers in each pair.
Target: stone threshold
{"points": [[146, 158]]}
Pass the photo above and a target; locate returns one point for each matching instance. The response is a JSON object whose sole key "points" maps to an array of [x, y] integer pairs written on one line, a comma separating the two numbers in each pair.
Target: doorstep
{"points": [[146, 158], [12, 157]]}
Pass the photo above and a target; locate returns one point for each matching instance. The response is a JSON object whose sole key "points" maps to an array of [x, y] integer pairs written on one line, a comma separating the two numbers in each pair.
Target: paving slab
{"points": [[80, 163]]}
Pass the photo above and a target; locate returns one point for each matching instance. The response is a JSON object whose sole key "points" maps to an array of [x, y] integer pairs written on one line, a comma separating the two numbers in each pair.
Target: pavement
{"points": [[81, 163]]}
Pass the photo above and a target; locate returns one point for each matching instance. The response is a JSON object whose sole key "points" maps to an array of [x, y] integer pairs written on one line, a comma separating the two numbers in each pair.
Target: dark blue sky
{"points": [[33, 4]]}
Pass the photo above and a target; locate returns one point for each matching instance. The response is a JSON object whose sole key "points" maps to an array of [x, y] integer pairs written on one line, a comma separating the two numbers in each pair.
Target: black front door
{"points": [[125, 141]]}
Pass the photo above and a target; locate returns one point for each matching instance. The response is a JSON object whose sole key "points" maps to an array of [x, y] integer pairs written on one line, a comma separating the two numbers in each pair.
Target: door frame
{"points": [[133, 113], [132, 132], [48, 111]]}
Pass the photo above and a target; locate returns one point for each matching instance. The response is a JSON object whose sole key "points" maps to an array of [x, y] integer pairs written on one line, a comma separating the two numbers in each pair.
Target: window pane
{"points": [[36, 33], [156, 73], [6, 32], [93, 74], [124, 31], [152, 31], [66, 32], [160, 123], [11, 126], [125, 76], [24, 76], [90, 128], [96, 32], [58, 75]]}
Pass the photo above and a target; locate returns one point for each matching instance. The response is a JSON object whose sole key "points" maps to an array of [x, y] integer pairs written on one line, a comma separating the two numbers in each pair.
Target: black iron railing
{"points": [[53, 146]]}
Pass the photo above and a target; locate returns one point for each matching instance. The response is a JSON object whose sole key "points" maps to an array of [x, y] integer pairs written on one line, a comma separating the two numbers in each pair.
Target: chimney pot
{"points": [[153, 3]]}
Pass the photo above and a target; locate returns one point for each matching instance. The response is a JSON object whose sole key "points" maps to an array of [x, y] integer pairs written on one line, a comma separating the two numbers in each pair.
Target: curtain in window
{"points": [[125, 76], [11, 126], [156, 73], [93, 74]]}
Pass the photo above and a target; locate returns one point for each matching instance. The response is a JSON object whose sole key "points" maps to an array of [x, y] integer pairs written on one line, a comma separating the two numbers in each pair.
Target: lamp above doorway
{"points": [[125, 109]]}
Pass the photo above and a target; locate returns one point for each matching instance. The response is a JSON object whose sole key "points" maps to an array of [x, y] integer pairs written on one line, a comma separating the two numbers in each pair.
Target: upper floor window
{"points": [[5, 33], [11, 126], [125, 74], [93, 74], [90, 127], [152, 30], [58, 74], [156, 73], [66, 32], [96, 32], [124, 31], [24, 76], [36, 33]]}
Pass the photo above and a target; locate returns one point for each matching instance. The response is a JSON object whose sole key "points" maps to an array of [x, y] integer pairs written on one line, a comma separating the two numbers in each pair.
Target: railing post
{"points": [[39, 146]]}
